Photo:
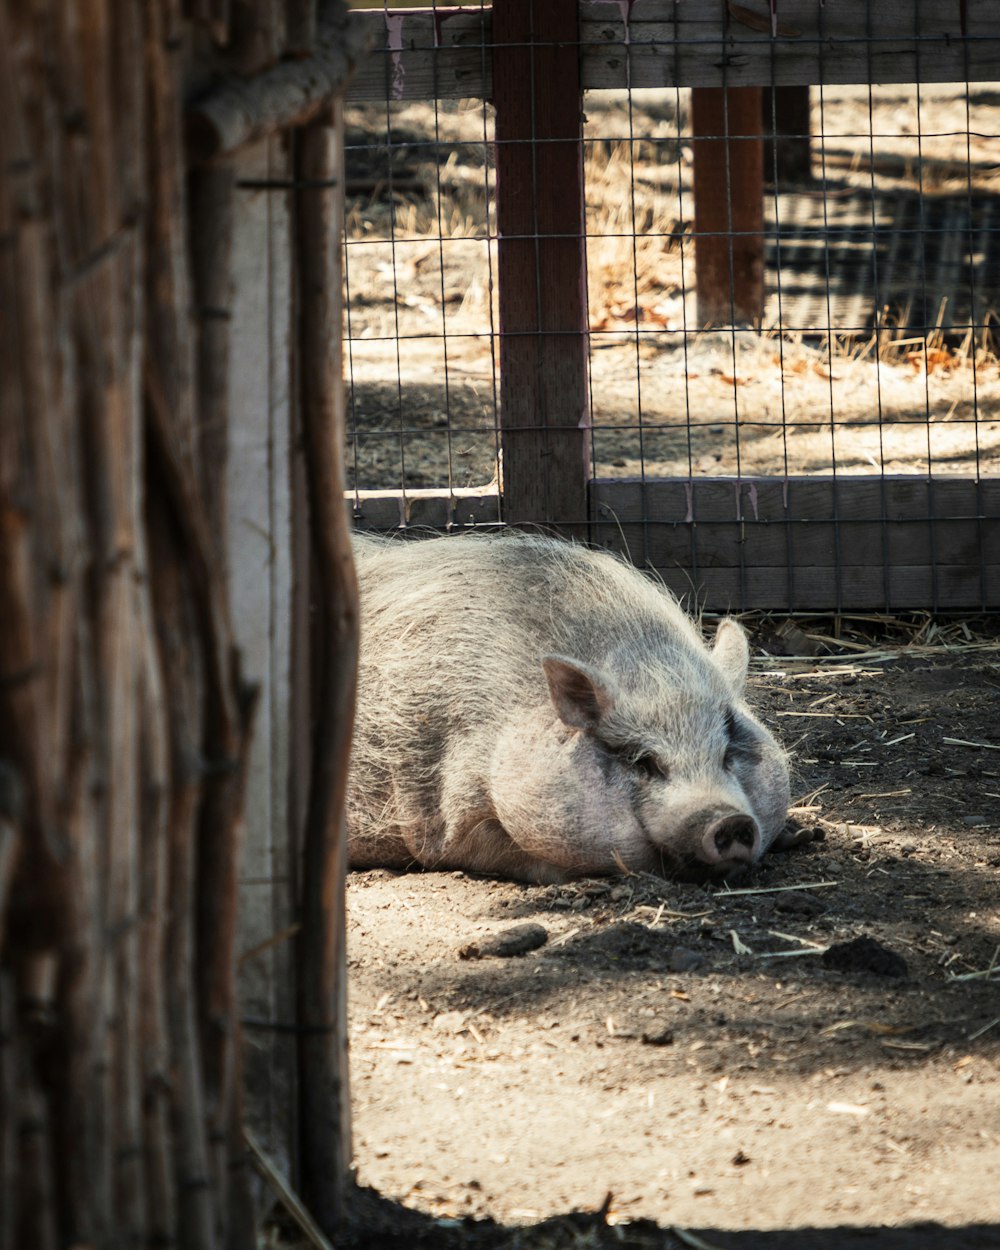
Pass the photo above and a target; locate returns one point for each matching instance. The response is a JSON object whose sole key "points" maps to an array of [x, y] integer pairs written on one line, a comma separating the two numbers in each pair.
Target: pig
{"points": [[536, 709]]}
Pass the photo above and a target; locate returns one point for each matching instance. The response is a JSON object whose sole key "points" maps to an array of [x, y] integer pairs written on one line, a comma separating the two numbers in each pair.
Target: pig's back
{"points": [[490, 607]]}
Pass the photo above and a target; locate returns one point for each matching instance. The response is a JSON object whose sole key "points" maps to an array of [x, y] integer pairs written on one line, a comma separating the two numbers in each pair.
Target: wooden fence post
{"points": [[728, 204], [545, 411], [324, 1104]]}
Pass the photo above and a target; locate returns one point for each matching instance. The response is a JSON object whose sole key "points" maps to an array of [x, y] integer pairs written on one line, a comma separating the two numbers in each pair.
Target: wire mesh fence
{"points": [[787, 236], [420, 272]]}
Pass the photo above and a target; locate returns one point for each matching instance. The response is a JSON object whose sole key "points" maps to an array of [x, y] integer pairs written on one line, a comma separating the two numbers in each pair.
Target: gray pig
{"points": [[536, 709]]}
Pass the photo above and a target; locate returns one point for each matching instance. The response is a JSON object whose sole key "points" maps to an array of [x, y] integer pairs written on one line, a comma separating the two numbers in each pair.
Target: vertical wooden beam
{"points": [[212, 206], [787, 135], [544, 400], [260, 500], [322, 1015], [728, 204], [228, 747]]}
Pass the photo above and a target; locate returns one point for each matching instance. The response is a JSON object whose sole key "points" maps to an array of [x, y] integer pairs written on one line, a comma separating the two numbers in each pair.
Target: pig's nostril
{"points": [[734, 838]]}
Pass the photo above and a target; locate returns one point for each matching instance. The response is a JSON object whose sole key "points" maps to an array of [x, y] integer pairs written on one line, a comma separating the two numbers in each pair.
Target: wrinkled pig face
{"points": [[700, 801], [700, 789]]}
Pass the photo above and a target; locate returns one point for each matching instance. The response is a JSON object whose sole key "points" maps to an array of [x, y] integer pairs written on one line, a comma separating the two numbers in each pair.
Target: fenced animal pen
{"points": [[712, 284]]}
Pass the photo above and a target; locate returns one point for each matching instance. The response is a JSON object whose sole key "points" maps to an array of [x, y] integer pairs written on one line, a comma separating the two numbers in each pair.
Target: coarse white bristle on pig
{"points": [[538, 709]]}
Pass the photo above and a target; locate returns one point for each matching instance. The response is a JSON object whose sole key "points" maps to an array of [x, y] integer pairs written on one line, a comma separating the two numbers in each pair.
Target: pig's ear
{"points": [[578, 693], [732, 653]]}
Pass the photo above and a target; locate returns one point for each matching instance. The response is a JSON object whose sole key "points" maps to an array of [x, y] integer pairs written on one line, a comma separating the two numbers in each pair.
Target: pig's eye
{"points": [[740, 745], [648, 766]]}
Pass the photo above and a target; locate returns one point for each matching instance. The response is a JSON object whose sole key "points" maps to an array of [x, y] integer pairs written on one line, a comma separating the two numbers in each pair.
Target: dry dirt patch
{"points": [[692, 1052]]}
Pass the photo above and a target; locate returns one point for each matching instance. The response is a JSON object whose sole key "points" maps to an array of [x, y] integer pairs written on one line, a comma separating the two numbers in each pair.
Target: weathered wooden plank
{"points": [[324, 1102], [284, 833], [424, 54], [836, 589], [420, 55], [804, 543], [541, 265], [435, 509], [212, 202], [658, 43], [896, 498], [257, 526], [811, 542], [779, 541]]}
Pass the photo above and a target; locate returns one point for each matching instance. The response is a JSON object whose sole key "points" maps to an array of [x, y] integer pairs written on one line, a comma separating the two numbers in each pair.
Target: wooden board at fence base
{"points": [[772, 544], [843, 588], [427, 54], [816, 543]]}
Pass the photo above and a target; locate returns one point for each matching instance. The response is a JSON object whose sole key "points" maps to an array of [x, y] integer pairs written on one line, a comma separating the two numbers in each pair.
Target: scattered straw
{"points": [[287, 1196], [983, 974], [662, 911], [838, 716], [985, 1029], [776, 889], [692, 1239], [885, 794], [847, 665], [876, 1027], [791, 954], [790, 937], [739, 946], [808, 801]]}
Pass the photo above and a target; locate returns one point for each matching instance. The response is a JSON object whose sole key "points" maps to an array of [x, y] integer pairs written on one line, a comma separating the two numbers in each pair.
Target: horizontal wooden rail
{"points": [[823, 543], [439, 509], [780, 544], [425, 54]]}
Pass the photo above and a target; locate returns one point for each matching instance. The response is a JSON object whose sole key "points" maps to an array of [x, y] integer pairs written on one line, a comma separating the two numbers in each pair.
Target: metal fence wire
{"points": [[713, 285]]}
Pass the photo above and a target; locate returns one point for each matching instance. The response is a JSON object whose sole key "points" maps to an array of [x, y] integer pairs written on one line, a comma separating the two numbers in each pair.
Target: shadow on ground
{"points": [[378, 1224]]}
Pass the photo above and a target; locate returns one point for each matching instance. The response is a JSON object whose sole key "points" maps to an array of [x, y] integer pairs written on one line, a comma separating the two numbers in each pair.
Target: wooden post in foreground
{"points": [[324, 1105], [544, 401], [728, 204]]}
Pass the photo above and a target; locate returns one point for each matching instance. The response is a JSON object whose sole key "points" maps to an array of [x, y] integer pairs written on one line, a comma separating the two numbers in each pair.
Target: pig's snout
{"points": [[731, 839]]}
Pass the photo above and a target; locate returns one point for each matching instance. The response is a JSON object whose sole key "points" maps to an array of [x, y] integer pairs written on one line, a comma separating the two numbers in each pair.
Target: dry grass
{"points": [[666, 397]]}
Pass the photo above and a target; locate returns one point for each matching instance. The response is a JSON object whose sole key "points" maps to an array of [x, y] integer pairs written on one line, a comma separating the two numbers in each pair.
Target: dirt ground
{"points": [[806, 1059]]}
